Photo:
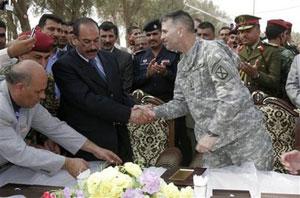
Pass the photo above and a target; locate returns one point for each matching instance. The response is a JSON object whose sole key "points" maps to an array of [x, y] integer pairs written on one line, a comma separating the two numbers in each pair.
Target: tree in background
{"points": [[122, 12], [68, 10], [17, 18]]}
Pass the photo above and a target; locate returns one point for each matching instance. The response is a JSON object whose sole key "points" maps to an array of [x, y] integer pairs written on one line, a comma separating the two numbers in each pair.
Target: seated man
{"points": [[24, 86]]}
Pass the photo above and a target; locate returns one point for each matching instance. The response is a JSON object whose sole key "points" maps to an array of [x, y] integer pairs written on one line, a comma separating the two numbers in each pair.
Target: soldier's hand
{"points": [[206, 143], [162, 67], [151, 68], [291, 161], [250, 70], [75, 166], [20, 46]]}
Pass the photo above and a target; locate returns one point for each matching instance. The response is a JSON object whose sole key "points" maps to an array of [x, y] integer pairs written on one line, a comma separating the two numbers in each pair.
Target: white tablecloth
{"points": [[245, 177], [20, 175]]}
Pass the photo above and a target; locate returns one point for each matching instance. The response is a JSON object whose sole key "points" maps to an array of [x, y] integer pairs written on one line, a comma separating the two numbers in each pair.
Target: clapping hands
{"points": [[251, 70], [142, 114], [155, 68]]}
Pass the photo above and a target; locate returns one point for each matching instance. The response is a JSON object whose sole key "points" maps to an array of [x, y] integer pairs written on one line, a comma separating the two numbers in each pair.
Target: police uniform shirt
{"points": [[156, 85]]}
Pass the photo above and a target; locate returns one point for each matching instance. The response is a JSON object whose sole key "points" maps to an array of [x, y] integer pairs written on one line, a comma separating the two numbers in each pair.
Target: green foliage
{"points": [[66, 9]]}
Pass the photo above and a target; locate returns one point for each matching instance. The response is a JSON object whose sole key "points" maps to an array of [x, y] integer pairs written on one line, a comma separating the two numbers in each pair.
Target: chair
{"points": [[280, 120], [153, 143]]}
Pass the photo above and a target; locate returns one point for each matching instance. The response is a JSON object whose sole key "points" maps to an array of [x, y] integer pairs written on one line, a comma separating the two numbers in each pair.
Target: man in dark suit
{"points": [[109, 35], [92, 99]]}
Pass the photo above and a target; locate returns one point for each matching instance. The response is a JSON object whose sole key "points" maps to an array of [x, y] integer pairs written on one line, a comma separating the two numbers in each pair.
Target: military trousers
{"points": [[252, 147]]}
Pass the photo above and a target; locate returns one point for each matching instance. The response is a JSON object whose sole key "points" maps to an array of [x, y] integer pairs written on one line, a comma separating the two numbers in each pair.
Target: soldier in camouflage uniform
{"points": [[228, 127], [276, 35], [260, 62]]}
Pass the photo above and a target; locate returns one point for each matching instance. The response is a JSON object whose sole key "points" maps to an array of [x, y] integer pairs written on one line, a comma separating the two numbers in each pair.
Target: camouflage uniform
{"points": [[287, 58], [269, 68], [209, 87], [51, 103]]}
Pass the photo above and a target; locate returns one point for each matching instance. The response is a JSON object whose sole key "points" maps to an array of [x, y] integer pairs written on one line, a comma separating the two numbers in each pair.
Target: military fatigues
{"points": [[287, 58], [209, 87], [156, 85], [269, 68], [51, 103], [292, 48]]}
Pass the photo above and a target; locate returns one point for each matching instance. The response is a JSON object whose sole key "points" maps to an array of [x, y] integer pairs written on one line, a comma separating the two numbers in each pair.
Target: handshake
{"points": [[142, 114]]}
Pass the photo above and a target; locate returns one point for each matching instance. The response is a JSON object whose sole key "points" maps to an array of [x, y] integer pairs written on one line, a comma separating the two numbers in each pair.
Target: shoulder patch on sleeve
{"points": [[221, 73]]}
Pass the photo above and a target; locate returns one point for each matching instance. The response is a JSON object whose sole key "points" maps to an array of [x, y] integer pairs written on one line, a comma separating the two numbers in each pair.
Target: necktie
{"points": [[98, 68]]}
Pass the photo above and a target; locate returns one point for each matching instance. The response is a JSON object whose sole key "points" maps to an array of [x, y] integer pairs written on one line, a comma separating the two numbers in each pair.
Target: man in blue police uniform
{"points": [[155, 68], [154, 73]]}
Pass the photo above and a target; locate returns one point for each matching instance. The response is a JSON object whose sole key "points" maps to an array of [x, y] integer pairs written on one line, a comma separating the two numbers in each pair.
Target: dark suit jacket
{"points": [[125, 62], [88, 103]]}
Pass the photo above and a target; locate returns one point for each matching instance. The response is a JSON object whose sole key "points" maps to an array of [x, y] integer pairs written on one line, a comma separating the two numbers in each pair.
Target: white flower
{"points": [[133, 169]]}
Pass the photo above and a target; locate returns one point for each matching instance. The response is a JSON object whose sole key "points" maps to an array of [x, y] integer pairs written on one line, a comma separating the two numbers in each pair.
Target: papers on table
{"points": [[246, 177], [21, 175]]}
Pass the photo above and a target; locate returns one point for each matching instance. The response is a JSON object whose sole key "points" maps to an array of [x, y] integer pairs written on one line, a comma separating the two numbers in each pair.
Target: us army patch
{"points": [[221, 73]]}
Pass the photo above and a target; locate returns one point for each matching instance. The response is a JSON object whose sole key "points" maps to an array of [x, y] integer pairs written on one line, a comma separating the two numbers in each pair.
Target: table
{"points": [[246, 177]]}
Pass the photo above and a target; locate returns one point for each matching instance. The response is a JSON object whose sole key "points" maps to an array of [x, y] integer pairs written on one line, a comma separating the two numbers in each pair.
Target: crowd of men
{"points": [[77, 72]]}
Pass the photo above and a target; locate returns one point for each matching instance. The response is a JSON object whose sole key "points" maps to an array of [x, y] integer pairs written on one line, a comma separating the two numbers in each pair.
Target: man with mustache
{"points": [[108, 36], [20, 93], [260, 62], [92, 99]]}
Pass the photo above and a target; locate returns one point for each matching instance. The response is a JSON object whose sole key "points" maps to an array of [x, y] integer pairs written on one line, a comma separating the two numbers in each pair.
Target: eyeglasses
{"points": [[2, 34]]}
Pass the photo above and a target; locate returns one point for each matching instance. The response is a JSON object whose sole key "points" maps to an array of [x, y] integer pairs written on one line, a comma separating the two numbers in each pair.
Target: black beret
{"points": [[152, 25]]}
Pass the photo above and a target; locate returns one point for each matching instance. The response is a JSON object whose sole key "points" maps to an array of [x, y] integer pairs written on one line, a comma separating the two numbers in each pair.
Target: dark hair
{"points": [[272, 31], [225, 28], [206, 24], [2, 24], [182, 17], [70, 23], [14, 76], [46, 17], [131, 28], [108, 25], [80, 21]]}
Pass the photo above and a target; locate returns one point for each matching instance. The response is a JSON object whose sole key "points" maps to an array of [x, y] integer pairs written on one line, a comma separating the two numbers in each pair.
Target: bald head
{"points": [[27, 82], [24, 72]]}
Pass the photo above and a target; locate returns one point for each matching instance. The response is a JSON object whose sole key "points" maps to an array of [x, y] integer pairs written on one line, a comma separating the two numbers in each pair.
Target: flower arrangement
{"points": [[127, 181]]}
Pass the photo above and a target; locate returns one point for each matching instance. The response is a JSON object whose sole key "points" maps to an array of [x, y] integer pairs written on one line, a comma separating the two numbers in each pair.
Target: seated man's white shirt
{"points": [[13, 131]]}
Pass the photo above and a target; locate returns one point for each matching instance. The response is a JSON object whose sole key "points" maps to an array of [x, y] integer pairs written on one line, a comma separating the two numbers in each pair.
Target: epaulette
{"points": [[139, 52]]}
